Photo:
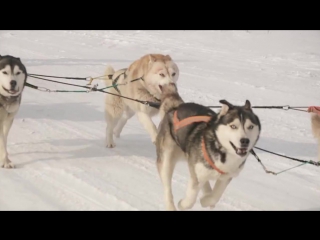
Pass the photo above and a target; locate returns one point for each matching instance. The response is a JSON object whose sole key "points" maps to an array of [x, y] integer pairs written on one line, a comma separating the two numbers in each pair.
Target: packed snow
{"points": [[57, 140]]}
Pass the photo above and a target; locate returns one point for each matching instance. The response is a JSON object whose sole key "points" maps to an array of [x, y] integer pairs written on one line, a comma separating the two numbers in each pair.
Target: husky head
{"points": [[13, 75], [238, 128], [156, 71]]}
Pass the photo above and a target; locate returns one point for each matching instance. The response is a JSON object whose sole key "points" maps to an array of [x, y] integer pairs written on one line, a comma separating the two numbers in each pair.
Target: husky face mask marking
{"points": [[238, 128], [12, 76]]}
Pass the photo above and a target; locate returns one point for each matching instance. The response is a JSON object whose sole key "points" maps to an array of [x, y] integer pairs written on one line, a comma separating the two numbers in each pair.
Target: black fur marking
{"points": [[222, 156], [12, 61], [188, 110], [213, 141], [242, 114], [190, 136]]}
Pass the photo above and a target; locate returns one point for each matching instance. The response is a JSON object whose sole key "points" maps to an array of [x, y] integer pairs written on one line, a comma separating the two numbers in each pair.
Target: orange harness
{"points": [[184, 122], [314, 109]]}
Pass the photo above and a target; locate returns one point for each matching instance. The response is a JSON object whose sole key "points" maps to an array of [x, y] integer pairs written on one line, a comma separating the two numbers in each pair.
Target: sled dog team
{"points": [[214, 145]]}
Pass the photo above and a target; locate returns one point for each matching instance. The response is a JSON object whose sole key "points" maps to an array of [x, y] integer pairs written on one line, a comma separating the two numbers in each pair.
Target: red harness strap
{"points": [[314, 109], [185, 122], [207, 157]]}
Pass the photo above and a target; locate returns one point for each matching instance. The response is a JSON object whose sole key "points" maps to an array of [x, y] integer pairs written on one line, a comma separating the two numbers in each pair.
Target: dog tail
{"points": [[170, 97], [109, 72]]}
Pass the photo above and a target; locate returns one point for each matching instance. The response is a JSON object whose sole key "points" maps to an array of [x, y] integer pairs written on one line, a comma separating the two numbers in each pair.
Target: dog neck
{"points": [[8, 100]]}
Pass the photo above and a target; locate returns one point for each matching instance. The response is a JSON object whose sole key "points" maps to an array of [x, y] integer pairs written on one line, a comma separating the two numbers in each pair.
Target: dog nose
{"points": [[244, 141], [13, 83]]}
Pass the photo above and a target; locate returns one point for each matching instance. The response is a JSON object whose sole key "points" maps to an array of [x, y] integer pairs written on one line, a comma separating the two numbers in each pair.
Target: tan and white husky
{"points": [[141, 80]]}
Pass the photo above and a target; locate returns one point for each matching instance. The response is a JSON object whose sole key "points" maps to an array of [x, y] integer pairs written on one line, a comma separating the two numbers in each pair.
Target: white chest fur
{"points": [[231, 167], [12, 107]]}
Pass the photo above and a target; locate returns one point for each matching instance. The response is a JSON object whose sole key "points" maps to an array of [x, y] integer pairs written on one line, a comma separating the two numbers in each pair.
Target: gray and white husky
{"points": [[13, 75], [216, 146]]}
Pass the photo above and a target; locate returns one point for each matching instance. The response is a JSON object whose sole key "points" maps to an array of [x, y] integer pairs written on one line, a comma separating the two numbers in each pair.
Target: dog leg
{"points": [[151, 128], [4, 160], [206, 189], [166, 167], [211, 199], [193, 189], [111, 122], [128, 113]]}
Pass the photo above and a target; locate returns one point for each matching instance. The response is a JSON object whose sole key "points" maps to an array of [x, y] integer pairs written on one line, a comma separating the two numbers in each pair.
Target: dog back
{"points": [[187, 134]]}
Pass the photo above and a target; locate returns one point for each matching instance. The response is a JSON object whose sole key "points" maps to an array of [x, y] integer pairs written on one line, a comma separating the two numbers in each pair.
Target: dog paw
{"points": [[183, 204], [7, 164], [207, 201], [110, 145], [171, 208]]}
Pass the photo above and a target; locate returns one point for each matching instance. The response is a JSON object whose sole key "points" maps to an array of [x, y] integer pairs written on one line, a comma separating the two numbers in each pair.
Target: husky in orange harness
{"points": [[216, 145]]}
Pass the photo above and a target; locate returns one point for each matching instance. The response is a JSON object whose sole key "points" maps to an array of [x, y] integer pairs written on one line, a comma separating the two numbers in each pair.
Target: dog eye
{"points": [[4, 72], [233, 126], [250, 127], [18, 73], [161, 74], [173, 74]]}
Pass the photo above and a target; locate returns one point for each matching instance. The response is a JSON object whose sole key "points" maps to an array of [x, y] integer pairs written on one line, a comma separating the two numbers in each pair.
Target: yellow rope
{"points": [[93, 78]]}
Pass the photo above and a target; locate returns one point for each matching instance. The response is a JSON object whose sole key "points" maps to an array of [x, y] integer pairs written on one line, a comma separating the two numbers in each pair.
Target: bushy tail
{"points": [[108, 75], [170, 98]]}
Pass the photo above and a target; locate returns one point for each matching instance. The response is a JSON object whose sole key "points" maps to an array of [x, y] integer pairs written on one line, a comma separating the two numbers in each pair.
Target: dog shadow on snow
{"points": [[128, 145]]}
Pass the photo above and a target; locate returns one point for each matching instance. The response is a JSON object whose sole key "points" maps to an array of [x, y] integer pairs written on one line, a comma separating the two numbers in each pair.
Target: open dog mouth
{"points": [[240, 151], [10, 91]]}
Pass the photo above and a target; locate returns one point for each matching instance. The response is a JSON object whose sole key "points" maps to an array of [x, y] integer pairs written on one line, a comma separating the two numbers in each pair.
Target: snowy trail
{"points": [[57, 140]]}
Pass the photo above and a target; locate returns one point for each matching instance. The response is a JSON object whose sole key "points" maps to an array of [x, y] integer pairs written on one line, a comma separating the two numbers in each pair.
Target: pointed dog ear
{"points": [[247, 105], [225, 102], [151, 58], [167, 57], [226, 106]]}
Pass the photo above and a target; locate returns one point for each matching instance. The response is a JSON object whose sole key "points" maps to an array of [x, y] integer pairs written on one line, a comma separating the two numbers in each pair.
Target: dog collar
{"points": [[6, 100]]}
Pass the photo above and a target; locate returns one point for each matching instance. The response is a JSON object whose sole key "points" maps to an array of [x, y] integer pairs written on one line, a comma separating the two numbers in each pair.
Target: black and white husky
{"points": [[216, 146]]}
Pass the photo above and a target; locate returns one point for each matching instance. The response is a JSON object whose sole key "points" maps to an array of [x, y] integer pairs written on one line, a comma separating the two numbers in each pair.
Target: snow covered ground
{"points": [[58, 139]]}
